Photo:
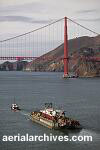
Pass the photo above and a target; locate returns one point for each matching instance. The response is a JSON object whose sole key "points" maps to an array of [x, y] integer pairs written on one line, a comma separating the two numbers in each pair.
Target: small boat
{"points": [[54, 118], [15, 107]]}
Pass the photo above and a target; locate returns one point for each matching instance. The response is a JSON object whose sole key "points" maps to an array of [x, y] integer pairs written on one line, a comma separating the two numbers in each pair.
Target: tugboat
{"points": [[54, 118], [15, 107]]}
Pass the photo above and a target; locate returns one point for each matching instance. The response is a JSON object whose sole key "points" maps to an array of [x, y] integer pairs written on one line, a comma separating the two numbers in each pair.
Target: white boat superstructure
{"points": [[15, 107]]}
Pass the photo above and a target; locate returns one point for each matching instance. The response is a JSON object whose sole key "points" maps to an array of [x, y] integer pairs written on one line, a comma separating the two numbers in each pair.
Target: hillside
{"points": [[79, 48], [13, 66]]}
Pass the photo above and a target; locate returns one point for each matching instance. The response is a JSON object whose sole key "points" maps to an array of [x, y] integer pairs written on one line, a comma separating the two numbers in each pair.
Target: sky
{"points": [[19, 16]]}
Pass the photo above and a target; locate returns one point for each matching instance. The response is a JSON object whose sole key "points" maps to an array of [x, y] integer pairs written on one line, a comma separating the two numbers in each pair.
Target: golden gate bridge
{"points": [[33, 44]]}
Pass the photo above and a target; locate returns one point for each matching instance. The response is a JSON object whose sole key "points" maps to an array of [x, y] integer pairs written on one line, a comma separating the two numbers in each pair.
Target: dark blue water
{"points": [[79, 97]]}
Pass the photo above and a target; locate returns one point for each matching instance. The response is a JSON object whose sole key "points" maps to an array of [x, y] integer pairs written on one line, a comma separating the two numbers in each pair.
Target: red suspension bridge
{"points": [[31, 45]]}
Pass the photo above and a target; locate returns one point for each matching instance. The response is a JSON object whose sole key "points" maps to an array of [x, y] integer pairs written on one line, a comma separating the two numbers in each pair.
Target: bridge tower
{"points": [[65, 49]]}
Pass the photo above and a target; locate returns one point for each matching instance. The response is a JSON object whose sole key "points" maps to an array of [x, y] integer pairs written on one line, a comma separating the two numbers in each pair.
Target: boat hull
{"points": [[15, 109], [51, 124]]}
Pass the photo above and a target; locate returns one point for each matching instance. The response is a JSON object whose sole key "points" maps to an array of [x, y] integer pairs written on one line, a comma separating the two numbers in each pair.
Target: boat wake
{"points": [[88, 132]]}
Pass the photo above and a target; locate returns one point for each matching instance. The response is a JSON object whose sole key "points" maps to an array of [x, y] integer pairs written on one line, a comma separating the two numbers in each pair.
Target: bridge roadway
{"points": [[48, 58]]}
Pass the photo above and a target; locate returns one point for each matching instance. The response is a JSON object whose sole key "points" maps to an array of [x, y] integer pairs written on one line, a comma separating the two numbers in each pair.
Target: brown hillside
{"points": [[79, 47]]}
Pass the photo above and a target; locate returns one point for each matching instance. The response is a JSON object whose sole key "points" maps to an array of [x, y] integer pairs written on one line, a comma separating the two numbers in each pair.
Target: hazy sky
{"points": [[19, 16]]}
